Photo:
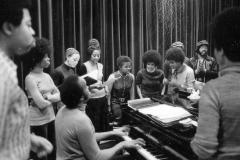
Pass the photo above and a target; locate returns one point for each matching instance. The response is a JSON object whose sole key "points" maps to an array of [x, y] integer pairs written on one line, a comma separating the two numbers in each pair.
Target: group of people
{"points": [[65, 116]]}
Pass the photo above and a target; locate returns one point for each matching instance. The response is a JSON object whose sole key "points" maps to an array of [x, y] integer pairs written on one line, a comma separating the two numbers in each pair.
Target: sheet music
{"points": [[92, 74], [166, 113]]}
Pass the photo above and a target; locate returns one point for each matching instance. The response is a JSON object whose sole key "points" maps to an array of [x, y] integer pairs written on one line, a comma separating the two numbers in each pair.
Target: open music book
{"points": [[166, 113], [90, 78]]}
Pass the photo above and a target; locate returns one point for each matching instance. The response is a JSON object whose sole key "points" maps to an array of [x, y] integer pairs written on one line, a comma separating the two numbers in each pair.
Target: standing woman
{"points": [[149, 80], [121, 86], [97, 106], [42, 93]]}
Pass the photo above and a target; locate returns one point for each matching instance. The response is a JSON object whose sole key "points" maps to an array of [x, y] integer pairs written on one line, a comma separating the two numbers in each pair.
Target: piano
{"points": [[163, 142]]}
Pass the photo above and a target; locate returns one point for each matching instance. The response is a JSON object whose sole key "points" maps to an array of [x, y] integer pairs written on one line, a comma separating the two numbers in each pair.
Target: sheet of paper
{"points": [[166, 113]]}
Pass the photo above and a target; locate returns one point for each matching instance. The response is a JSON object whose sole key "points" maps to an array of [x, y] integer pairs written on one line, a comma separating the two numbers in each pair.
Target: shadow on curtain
{"points": [[123, 27]]}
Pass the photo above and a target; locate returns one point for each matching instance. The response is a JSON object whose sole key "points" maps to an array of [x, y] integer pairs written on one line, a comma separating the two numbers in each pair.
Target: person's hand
{"points": [[46, 96], [165, 81], [135, 144], [122, 131], [40, 146], [97, 85], [174, 84]]}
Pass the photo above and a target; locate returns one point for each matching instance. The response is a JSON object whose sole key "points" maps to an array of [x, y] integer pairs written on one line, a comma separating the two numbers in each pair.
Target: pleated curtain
{"points": [[123, 27]]}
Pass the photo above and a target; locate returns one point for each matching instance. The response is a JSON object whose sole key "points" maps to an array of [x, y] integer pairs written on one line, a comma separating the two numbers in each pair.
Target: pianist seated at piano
{"points": [[149, 80], [75, 134], [182, 76], [121, 86]]}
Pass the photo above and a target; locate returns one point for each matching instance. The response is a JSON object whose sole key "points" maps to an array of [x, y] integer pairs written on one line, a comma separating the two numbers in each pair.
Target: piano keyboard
{"points": [[151, 151], [143, 152]]}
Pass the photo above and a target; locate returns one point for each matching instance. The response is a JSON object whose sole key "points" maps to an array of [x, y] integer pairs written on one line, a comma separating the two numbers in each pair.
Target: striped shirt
{"points": [[14, 124]]}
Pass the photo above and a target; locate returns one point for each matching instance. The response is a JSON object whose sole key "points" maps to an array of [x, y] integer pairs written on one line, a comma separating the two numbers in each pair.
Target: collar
{"points": [[118, 72], [230, 69], [181, 69], [67, 67], [8, 60]]}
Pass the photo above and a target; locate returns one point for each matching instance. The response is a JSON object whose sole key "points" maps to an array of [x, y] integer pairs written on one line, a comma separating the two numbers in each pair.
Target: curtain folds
{"points": [[123, 27]]}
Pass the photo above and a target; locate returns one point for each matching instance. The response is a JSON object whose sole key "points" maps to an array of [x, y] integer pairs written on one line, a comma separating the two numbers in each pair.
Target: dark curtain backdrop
{"points": [[123, 27]]}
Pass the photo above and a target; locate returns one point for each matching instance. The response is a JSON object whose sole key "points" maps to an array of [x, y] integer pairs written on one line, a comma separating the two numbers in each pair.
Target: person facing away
{"points": [[121, 86], [16, 38], [67, 68], [75, 133], [218, 131], [204, 66], [149, 80], [166, 67], [97, 106], [41, 92], [182, 76]]}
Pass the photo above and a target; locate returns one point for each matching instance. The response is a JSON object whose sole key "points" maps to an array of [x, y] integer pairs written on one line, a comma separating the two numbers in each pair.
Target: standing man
{"points": [[16, 38], [218, 131], [204, 66]]}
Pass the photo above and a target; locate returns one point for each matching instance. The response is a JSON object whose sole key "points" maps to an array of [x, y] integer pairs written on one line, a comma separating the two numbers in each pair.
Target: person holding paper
{"points": [[121, 86], [97, 106]]}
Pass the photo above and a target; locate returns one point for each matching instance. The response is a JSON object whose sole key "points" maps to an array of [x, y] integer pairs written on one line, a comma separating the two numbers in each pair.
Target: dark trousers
{"points": [[97, 110], [47, 131]]}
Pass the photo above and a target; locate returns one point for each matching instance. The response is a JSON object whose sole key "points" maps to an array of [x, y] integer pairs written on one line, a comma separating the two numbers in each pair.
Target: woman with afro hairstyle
{"points": [[182, 76], [41, 92], [97, 106], [149, 80]]}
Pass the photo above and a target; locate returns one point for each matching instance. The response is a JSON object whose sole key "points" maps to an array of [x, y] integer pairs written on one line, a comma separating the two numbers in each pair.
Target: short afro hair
{"points": [[151, 56], [93, 44], [38, 52], [175, 54], [12, 11], [226, 33], [71, 91], [122, 59]]}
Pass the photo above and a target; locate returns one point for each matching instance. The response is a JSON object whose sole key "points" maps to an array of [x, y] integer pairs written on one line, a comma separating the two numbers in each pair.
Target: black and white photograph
{"points": [[119, 80]]}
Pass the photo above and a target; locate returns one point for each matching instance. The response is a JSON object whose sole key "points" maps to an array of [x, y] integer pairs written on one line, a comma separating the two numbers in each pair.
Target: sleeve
{"points": [[132, 88], [190, 78], [87, 139], [138, 80], [110, 82], [33, 90], [82, 70], [57, 77], [205, 142], [5, 95], [55, 92], [213, 72]]}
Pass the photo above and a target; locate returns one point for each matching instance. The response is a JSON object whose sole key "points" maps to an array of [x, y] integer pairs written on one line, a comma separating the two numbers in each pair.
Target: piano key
{"points": [[143, 152]]}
